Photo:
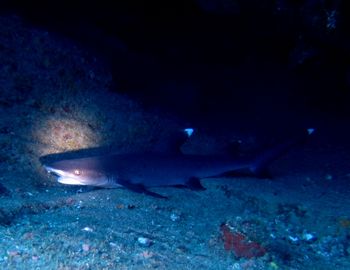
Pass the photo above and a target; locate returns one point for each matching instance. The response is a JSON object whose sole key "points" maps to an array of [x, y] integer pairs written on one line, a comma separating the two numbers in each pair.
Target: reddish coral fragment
{"points": [[238, 243]]}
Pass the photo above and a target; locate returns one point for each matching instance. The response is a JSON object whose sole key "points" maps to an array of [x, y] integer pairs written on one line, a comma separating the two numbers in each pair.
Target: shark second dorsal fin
{"points": [[261, 162]]}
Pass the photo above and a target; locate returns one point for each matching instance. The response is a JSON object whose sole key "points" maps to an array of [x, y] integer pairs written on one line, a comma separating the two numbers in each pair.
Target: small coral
{"points": [[239, 244]]}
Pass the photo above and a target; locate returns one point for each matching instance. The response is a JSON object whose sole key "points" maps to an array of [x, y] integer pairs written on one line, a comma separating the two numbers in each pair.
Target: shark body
{"points": [[141, 171]]}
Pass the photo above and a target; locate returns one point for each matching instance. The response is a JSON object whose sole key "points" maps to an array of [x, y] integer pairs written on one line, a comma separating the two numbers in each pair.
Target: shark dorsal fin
{"points": [[177, 139]]}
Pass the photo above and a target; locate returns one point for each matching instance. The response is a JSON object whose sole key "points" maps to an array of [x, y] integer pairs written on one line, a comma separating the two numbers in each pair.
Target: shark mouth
{"points": [[62, 177]]}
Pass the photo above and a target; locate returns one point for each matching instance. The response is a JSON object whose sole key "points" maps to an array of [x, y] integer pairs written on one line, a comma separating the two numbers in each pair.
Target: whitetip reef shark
{"points": [[140, 171]]}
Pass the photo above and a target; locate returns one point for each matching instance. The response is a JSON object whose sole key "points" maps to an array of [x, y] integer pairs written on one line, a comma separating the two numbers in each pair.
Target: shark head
{"points": [[85, 171]]}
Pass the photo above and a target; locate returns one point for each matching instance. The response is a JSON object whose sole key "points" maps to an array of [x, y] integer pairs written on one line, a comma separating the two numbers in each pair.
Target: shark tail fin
{"points": [[259, 165]]}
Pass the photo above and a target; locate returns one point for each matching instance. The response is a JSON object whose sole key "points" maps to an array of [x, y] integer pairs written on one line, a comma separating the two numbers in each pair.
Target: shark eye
{"points": [[77, 172]]}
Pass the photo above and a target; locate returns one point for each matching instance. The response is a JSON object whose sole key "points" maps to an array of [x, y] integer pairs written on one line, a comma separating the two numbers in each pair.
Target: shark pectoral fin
{"points": [[194, 184], [139, 188]]}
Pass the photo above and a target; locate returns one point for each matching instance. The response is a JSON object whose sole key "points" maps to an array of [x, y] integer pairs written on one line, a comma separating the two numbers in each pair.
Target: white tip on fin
{"points": [[310, 131], [189, 131]]}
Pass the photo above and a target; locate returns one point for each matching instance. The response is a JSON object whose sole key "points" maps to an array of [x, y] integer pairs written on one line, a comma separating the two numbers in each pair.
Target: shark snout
{"points": [[62, 176], [47, 168], [51, 171]]}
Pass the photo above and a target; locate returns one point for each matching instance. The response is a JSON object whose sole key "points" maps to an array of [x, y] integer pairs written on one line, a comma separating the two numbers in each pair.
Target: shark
{"points": [[140, 172]]}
